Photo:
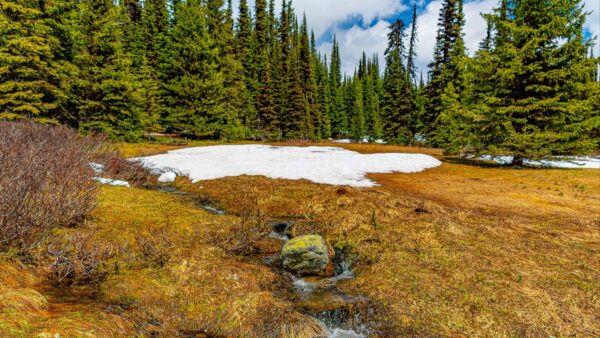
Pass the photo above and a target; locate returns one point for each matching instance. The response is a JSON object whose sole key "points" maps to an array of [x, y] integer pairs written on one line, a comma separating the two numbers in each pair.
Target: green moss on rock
{"points": [[307, 256]]}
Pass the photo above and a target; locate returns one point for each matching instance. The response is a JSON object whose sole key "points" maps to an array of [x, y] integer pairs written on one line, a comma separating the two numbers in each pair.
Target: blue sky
{"points": [[362, 24]]}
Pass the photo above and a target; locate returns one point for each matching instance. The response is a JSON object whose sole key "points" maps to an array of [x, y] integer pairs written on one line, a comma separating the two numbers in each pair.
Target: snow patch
{"points": [[108, 181], [343, 141], [327, 165], [567, 163], [97, 167], [167, 177]]}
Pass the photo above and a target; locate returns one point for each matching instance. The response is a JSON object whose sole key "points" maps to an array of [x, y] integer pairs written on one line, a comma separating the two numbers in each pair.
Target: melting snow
{"points": [[112, 182], [328, 165], [573, 163]]}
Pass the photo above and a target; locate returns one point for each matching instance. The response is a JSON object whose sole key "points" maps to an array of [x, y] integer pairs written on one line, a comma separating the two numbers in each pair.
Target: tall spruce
{"points": [[411, 68], [30, 81], [195, 94], [338, 117], [448, 60], [398, 97], [541, 98], [107, 97]]}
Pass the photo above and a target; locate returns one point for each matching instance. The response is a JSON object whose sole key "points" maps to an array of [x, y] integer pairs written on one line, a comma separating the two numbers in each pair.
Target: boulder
{"points": [[308, 256]]}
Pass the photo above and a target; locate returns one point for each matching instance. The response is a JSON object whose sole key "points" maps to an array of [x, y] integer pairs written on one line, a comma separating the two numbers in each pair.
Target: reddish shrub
{"points": [[45, 180]]}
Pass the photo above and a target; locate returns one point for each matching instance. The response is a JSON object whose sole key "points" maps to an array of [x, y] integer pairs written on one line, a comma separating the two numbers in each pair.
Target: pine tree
{"points": [[106, 94], [267, 123], [448, 60], [338, 117], [398, 100], [30, 80], [541, 98], [220, 27], [245, 47], [411, 68], [195, 92], [309, 86]]}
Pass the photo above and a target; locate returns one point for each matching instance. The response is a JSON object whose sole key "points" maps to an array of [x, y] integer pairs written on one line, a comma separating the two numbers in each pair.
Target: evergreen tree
{"points": [[338, 118], [106, 95], [448, 60], [411, 68], [30, 80], [245, 47], [309, 86], [541, 94], [195, 92], [397, 91], [267, 123]]}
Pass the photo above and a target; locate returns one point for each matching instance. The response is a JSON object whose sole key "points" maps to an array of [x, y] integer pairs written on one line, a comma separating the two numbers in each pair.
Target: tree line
{"points": [[189, 67]]}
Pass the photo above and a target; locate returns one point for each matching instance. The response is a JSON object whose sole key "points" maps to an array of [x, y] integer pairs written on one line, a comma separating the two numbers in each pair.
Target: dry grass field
{"points": [[461, 250]]}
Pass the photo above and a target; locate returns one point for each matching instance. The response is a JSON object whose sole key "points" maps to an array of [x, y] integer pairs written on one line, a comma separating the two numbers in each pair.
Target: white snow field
{"points": [[328, 165]]}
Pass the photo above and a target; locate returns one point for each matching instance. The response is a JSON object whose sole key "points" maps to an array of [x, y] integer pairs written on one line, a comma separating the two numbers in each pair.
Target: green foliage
{"points": [[30, 78], [540, 95], [106, 97], [129, 67]]}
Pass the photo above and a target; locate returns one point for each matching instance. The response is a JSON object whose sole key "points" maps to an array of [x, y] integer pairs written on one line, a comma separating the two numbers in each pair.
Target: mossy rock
{"points": [[308, 256]]}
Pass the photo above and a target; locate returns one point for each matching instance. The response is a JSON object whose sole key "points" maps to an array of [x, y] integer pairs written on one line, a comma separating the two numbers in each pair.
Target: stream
{"points": [[342, 315]]}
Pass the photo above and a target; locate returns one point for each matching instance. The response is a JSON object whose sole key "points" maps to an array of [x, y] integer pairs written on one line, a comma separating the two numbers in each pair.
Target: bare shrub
{"points": [[156, 247], [79, 259], [251, 227], [45, 181], [120, 168]]}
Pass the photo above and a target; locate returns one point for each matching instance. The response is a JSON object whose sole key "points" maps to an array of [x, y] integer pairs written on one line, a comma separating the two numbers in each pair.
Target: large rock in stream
{"points": [[308, 256]]}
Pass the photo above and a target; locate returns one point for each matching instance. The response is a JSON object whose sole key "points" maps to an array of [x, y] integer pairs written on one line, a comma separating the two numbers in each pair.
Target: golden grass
{"points": [[460, 250], [201, 288], [25, 311]]}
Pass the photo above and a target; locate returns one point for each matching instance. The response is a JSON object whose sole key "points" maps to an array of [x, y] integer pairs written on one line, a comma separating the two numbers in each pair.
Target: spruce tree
{"points": [[195, 92], [338, 117], [398, 98], [411, 68], [541, 98], [106, 94], [30, 80], [309, 86], [267, 123], [448, 61]]}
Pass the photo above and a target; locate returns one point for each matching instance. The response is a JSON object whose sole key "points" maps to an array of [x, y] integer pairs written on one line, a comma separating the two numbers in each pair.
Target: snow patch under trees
{"points": [[327, 165]]}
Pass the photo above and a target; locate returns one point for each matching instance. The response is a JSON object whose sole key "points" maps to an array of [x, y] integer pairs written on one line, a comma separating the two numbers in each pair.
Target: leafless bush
{"points": [[120, 168], [155, 248], [45, 180], [242, 235], [79, 259]]}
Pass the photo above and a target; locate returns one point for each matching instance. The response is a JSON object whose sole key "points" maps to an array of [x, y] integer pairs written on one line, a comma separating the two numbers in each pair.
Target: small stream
{"points": [[342, 315]]}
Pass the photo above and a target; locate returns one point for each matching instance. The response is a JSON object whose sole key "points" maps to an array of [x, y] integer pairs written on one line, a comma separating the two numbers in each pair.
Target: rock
{"points": [[308, 256], [167, 177]]}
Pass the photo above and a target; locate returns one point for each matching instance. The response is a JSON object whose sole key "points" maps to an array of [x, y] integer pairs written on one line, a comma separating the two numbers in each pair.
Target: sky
{"points": [[362, 25]]}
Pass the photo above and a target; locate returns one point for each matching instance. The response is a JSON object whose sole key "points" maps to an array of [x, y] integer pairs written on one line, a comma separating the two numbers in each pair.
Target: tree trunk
{"points": [[517, 161]]}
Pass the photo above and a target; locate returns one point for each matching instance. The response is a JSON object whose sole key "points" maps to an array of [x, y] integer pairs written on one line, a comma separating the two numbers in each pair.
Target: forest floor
{"points": [[464, 249]]}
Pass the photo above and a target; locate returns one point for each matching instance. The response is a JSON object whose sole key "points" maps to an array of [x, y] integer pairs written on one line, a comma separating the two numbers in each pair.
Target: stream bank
{"points": [[342, 315]]}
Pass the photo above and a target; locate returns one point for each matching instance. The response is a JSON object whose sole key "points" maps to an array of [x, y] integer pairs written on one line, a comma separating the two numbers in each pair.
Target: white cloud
{"points": [[357, 39], [592, 24], [329, 16], [326, 14]]}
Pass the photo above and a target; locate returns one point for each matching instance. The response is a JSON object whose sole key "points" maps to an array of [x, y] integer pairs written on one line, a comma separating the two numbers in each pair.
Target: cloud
{"points": [[361, 25], [324, 15], [592, 24], [355, 40]]}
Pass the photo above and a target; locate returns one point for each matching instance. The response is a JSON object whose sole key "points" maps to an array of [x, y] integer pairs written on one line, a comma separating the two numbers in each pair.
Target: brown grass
{"points": [[460, 250]]}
